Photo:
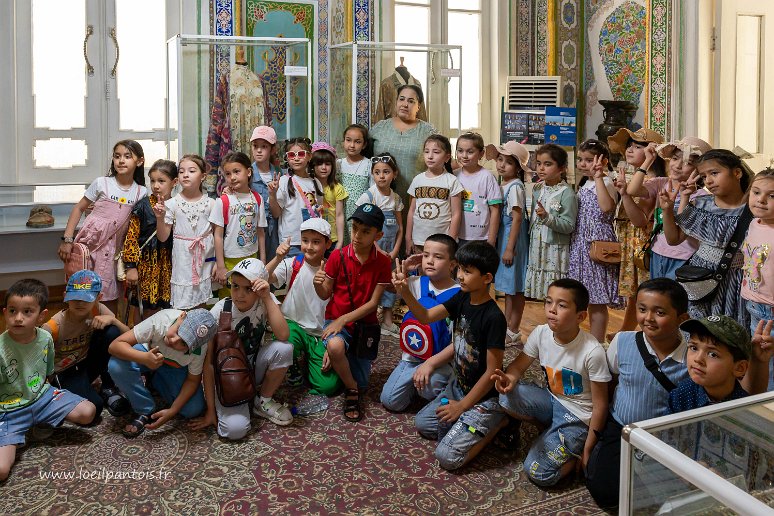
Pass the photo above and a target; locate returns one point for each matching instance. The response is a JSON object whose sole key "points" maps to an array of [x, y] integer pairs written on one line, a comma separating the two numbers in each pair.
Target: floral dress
{"points": [[600, 279], [632, 239], [154, 262], [549, 240]]}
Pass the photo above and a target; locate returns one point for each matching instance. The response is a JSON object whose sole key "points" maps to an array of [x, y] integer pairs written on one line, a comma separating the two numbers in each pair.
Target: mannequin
{"points": [[239, 106], [388, 94]]}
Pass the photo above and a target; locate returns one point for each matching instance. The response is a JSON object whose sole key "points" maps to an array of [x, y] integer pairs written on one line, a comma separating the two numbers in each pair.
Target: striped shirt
{"points": [[638, 395]]}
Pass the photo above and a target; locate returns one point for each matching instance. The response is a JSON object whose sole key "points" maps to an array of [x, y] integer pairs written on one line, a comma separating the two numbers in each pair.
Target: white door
{"points": [[88, 74], [744, 100]]}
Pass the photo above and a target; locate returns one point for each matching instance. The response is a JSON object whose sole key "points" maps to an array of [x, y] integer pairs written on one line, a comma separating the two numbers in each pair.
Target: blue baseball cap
{"points": [[84, 285]]}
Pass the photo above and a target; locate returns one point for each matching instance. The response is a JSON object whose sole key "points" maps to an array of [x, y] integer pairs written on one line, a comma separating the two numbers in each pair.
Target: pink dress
{"points": [[102, 231]]}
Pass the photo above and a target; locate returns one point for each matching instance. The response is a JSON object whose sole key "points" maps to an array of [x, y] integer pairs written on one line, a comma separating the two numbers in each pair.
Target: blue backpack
{"points": [[425, 340]]}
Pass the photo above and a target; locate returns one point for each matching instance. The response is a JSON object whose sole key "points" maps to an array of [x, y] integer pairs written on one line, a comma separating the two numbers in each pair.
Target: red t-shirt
{"points": [[363, 278]]}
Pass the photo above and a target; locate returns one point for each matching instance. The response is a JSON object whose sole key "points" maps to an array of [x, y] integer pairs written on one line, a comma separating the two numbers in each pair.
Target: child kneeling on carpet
{"points": [[574, 404], [252, 306], [82, 333], [469, 403], [304, 310], [354, 279], [420, 371], [26, 359], [170, 345]]}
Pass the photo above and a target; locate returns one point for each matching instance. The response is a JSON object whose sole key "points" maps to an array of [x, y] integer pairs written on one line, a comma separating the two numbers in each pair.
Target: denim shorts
{"points": [[360, 368], [50, 408], [759, 312]]}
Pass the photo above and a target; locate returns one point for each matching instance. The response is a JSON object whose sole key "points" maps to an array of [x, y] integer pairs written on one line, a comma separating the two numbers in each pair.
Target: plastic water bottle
{"points": [[443, 426], [311, 404]]}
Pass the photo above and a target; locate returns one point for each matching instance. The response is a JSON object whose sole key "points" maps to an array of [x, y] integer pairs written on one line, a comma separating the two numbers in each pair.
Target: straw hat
{"points": [[689, 145], [514, 149], [618, 141]]}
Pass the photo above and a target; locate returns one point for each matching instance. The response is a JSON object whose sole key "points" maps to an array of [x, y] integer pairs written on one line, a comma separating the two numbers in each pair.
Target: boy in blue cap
{"points": [[82, 333]]}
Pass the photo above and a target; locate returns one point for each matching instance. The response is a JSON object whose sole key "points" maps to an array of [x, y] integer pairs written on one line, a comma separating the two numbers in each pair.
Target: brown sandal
{"points": [[352, 405]]}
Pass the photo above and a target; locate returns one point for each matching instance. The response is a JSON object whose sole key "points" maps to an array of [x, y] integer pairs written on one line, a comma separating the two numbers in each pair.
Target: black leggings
{"points": [[78, 378], [604, 466]]}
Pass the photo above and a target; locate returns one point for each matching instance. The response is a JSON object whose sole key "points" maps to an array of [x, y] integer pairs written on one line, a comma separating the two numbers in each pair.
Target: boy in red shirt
{"points": [[354, 279]]}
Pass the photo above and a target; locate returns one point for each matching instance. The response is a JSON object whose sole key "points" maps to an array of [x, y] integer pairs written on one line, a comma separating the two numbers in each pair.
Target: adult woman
{"points": [[403, 136]]}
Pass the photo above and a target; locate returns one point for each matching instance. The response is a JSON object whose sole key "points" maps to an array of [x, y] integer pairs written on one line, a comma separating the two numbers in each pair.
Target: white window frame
{"points": [[494, 52]]}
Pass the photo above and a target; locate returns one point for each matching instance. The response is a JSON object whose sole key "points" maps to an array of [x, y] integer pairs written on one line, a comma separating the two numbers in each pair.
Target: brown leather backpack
{"points": [[234, 375]]}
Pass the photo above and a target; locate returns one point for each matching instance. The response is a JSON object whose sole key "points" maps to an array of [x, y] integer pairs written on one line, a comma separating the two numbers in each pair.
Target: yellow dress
{"points": [[632, 239]]}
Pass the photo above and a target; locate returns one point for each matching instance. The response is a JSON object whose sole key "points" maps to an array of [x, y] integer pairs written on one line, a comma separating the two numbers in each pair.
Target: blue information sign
{"points": [[560, 126]]}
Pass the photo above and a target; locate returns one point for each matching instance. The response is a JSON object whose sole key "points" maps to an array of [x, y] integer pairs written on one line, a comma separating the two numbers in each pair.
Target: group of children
{"points": [[273, 228]]}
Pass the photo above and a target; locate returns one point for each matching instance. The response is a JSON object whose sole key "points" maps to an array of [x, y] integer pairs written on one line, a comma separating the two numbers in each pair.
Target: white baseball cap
{"points": [[251, 268], [317, 224]]}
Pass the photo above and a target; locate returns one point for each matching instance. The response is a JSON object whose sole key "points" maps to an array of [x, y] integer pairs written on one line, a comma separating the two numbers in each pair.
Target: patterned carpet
{"points": [[319, 465]]}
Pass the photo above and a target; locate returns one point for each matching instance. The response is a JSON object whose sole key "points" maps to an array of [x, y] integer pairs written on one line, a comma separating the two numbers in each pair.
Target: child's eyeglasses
{"points": [[295, 154], [381, 159]]}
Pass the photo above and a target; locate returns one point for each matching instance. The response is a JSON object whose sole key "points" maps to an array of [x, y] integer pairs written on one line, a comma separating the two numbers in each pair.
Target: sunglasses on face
{"points": [[295, 154], [381, 159]]}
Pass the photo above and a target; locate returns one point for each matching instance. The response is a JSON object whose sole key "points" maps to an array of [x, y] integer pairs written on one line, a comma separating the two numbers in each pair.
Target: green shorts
{"points": [[328, 382]]}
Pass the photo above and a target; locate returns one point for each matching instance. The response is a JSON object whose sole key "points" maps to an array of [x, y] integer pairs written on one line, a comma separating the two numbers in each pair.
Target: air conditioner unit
{"points": [[530, 92]]}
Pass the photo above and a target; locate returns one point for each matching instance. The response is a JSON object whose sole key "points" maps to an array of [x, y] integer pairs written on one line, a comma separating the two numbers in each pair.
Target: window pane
{"points": [[748, 73], [60, 153], [141, 33], [58, 68], [154, 150], [412, 25], [418, 2], [465, 30], [470, 5]]}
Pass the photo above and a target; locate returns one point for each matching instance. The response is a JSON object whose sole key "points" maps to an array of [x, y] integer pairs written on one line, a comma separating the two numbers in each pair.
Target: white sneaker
{"points": [[274, 411], [512, 337], [390, 331]]}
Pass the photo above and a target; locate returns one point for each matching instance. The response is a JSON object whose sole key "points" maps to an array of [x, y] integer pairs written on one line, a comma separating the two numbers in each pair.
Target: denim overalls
{"points": [[271, 231]]}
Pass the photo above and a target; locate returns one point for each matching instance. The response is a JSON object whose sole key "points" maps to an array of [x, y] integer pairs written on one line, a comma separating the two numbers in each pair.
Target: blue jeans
{"points": [[386, 244], [295, 250], [664, 267], [359, 367], [563, 441], [472, 426], [399, 390], [759, 312], [167, 380]]}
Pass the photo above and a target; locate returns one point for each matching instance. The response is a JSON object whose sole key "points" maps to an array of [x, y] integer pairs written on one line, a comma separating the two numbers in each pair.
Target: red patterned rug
{"points": [[319, 465]]}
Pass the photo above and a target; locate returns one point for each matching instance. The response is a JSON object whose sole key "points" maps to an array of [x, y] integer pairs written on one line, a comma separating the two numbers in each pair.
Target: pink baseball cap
{"points": [[323, 146], [264, 132]]}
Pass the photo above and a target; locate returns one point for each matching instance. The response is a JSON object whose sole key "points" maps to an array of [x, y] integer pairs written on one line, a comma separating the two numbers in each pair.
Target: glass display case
{"points": [[714, 460], [364, 76], [221, 87]]}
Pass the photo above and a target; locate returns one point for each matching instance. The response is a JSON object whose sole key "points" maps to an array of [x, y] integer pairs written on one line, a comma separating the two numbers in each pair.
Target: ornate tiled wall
{"points": [[604, 49], [615, 57]]}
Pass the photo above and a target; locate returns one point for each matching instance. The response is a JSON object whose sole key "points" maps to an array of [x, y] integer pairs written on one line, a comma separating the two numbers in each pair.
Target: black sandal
{"points": [[352, 405], [138, 423], [115, 402]]}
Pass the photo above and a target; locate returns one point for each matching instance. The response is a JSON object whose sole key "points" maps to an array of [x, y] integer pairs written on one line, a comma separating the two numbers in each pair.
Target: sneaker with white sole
{"points": [[276, 412], [390, 331], [512, 338]]}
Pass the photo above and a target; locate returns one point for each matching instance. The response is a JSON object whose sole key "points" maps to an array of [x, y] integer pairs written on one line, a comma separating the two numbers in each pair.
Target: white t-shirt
{"points": [[108, 188], [245, 216], [570, 368], [301, 303], [517, 197], [480, 192], [391, 202], [251, 321], [151, 332], [432, 196], [416, 289], [294, 210]]}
